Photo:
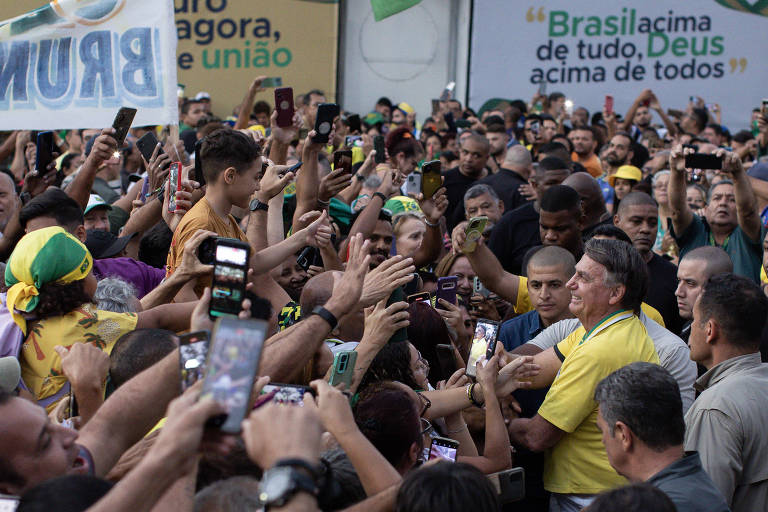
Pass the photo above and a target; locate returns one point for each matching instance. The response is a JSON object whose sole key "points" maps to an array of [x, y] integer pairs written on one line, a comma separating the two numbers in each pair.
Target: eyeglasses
{"points": [[426, 426], [427, 403], [422, 364]]}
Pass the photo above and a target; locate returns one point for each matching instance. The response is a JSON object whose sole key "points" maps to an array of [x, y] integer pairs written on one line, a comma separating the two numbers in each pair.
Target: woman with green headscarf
{"points": [[50, 297]]}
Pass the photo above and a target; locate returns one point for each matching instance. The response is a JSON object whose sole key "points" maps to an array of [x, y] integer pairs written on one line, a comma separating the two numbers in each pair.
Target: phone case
{"points": [[326, 113], [446, 290], [474, 230], [284, 106], [174, 182], [122, 124], [44, 154], [378, 146], [413, 184], [343, 368], [431, 180]]}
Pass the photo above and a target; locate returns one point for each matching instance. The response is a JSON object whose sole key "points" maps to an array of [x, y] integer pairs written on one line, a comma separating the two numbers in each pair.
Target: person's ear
{"points": [[80, 233], [712, 329], [413, 454], [229, 175], [501, 205], [617, 294], [623, 434]]}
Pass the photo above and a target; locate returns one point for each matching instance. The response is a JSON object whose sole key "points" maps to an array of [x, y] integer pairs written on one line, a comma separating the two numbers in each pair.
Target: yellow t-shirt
{"points": [[41, 365], [200, 216], [523, 304], [763, 276], [578, 464]]}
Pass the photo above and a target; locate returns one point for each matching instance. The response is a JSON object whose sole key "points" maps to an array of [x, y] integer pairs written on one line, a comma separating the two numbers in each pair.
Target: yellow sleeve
{"points": [[570, 401], [523, 304], [565, 347], [652, 313]]}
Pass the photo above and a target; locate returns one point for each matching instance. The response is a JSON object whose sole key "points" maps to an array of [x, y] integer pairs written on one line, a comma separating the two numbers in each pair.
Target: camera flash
{"points": [[116, 154]]}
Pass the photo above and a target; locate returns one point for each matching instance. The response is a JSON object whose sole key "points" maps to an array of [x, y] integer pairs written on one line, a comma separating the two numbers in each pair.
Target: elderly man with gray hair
{"points": [[607, 290]]}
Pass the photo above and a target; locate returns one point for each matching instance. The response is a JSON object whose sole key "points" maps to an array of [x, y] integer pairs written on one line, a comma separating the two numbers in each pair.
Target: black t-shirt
{"points": [[456, 185], [662, 283], [515, 233], [586, 233], [505, 183]]}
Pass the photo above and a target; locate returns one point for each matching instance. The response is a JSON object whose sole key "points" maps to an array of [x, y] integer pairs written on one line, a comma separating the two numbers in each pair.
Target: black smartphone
{"points": [[232, 365], [446, 358], [284, 106], [443, 448], [378, 146], [419, 297], [295, 167], [435, 105], [230, 271], [398, 295], [703, 161], [353, 122], [147, 144], [431, 180], [342, 159], [326, 114], [483, 344], [446, 290], [122, 124], [463, 123], [308, 257], [413, 286], [44, 156], [509, 484], [287, 394], [199, 176], [193, 352]]}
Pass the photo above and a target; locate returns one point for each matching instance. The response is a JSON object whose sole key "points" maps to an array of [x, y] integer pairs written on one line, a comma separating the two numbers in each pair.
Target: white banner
{"points": [[74, 63], [589, 48]]}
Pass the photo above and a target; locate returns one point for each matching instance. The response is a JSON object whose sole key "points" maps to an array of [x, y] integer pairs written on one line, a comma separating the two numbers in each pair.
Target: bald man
{"points": [[592, 201], [514, 171]]}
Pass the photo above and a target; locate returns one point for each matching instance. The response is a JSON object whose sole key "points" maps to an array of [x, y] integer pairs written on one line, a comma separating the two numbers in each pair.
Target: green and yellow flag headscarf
{"points": [[43, 256]]}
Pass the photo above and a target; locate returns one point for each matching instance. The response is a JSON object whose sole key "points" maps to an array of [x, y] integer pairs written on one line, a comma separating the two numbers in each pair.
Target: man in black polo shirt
{"points": [[638, 217], [515, 170], [518, 230], [473, 157]]}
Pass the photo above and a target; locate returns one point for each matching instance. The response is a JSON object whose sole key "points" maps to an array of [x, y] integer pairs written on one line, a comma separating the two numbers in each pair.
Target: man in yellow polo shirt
{"points": [[606, 292]]}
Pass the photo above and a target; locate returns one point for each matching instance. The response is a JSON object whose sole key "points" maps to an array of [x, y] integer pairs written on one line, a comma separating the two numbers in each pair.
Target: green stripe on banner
{"points": [[759, 7], [386, 8]]}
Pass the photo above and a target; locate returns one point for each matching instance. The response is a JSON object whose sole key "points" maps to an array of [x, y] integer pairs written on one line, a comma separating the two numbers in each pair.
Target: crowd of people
{"points": [[626, 290]]}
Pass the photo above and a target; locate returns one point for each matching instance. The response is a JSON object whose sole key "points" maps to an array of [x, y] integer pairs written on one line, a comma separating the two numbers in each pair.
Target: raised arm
{"points": [[432, 245], [308, 181], [489, 270], [645, 95], [746, 202], [682, 216], [103, 149], [244, 114]]}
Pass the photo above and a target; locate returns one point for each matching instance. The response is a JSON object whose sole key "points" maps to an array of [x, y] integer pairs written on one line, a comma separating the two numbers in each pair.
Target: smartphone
{"points": [[147, 144], [231, 367], [284, 106], [474, 230], [122, 124], [443, 448], [343, 368], [308, 257], [418, 297], [354, 124], [509, 484], [764, 108], [463, 123], [435, 106], [326, 114], [272, 81], [174, 182], [295, 167], [144, 190], [448, 91], [431, 180], [44, 156], [542, 88], [413, 286], [608, 107], [446, 290], [483, 344], [353, 141], [288, 394], [193, 352], [413, 184], [446, 358], [645, 103], [230, 270], [8, 503], [342, 159], [535, 128], [479, 289], [378, 146], [199, 176], [703, 161]]}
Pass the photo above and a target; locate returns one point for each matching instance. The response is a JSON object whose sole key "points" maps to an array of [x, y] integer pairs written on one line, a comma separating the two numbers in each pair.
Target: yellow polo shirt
{"points": [[578, 464], [523, 304]]}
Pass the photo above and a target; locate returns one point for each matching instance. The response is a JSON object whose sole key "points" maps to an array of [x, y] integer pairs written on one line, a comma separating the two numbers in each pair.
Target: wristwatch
{"points": [[258, 205], [281, 483]]}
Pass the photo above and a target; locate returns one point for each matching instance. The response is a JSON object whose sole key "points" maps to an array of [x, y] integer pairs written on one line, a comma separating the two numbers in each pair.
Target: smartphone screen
{"points": [[443, 448], [446, 290], [193, 351], [483, 344], [288, 394], [284, 106], [122, 124], [44, 155], [326, 113], [230, 269], [378, 146], [233, 361], [431, 180], [174, 182]]}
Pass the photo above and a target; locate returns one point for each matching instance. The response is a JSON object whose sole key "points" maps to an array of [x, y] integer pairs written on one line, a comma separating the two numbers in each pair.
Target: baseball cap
{"points": [[759, 171], [95, 201], [10, 373], [202, 96], [103, 244]]}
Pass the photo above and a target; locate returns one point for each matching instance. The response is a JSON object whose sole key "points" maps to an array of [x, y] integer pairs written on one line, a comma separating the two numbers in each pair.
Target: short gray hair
{"points": [[713, 187], [659, 175], [115, 295], [480, 190], [624, 266]]}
